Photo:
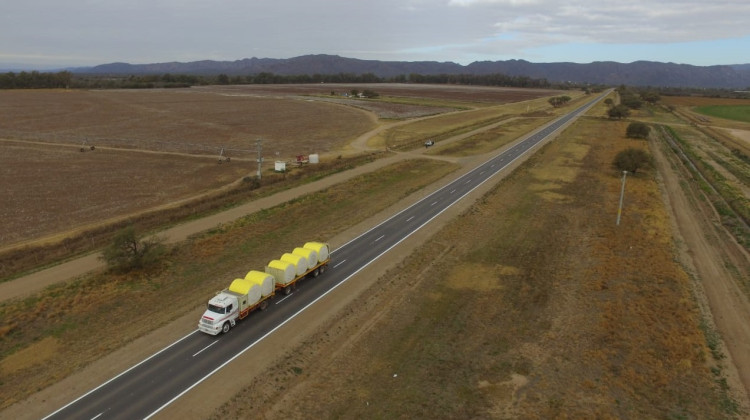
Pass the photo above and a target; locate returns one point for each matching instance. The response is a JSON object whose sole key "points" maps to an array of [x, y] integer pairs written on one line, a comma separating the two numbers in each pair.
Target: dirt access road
{"points": [[712, 255]]}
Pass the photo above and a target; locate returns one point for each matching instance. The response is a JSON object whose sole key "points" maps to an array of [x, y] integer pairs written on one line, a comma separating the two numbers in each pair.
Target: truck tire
{"points": [[226, 327], [287, 290], [322, 269], [316, 272], [263, 305]]}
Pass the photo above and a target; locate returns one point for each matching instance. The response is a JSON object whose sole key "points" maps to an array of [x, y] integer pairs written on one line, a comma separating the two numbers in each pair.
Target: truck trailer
{"points": [[245, 295]]}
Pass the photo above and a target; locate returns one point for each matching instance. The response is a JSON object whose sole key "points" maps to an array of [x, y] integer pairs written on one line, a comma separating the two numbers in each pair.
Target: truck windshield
{"points": [[217, 309]]}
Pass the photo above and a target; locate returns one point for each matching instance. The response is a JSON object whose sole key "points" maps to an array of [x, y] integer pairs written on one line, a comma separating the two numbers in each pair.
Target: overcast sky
{"points": [[91, 32]]}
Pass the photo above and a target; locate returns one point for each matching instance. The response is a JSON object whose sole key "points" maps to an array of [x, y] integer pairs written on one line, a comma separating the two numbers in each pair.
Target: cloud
{"points": [[139, 31]]}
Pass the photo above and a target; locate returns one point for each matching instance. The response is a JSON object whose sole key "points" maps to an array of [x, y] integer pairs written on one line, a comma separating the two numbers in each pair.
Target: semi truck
{"points": [[244, 295]]}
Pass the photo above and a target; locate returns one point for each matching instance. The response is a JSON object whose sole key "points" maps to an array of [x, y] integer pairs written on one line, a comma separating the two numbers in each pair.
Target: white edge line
{"points": [[123, 373]]}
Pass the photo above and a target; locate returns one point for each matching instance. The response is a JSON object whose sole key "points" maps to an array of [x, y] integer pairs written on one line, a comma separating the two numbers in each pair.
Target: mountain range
{"points": [[638, 73]]}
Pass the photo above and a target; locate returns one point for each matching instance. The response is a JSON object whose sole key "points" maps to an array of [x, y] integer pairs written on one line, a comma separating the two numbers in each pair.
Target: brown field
{"points": [[527, 303], [49, 185]]}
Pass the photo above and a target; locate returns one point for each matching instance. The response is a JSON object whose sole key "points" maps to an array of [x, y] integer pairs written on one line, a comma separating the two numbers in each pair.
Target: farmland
{"points": [[157, 147], [527, 303]]}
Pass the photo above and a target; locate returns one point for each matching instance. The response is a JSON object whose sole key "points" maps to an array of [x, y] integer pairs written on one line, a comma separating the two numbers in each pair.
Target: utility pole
{"points": [[259, 145], [622, 194]]}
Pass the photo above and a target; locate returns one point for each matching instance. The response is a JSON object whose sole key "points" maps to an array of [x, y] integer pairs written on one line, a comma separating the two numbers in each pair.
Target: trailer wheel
{"points": [[316, 272], [322, 269], [263, 305], [226, 327], [287, 290]]}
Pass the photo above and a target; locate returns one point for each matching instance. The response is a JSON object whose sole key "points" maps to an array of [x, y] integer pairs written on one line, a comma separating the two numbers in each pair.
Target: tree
{"points": [[559, 100], [128, 252], [651, 96], [618, 112], [637, 130], [632, 159], [222, 79]]}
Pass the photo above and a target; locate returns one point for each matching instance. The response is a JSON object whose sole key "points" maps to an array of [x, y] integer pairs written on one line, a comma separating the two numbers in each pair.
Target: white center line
{"points": [[203, 349]]}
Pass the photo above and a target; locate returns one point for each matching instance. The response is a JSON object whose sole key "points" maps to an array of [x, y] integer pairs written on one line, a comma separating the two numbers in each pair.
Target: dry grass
{"points": [[69, 314], [533, 304]]}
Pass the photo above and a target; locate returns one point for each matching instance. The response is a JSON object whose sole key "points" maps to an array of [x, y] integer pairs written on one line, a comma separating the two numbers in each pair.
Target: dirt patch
{"points": [[38, 353], [743, 135]]}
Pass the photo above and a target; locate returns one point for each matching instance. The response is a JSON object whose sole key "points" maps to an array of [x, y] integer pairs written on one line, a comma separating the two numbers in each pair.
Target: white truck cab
{"points": [[221, 314]]}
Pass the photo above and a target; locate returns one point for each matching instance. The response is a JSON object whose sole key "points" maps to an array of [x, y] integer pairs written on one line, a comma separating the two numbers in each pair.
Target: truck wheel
{"points": [[263, 305], [322, 269], [225, 328], [316, 272], [287, 290]]}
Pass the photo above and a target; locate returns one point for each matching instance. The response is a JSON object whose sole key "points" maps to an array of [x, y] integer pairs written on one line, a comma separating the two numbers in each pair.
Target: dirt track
{"points": [[705, 252]]}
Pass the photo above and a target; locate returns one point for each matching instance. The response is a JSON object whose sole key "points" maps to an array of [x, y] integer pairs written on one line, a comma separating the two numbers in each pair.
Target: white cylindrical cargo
{"points": [[310, 255], [282, 271], [314, 158], [320, 248], [300, 263], [248, 289], [264, 280]]}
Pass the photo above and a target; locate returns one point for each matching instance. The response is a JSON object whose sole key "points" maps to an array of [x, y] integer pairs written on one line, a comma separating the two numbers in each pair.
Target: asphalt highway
{"points": [[148, 387]]}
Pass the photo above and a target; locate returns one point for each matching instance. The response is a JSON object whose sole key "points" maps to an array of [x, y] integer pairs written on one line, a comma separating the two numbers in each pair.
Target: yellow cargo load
{"points": [[320, 248], [310, 255], [248, 289], [264, 280], [300, 263], [282, 271]]}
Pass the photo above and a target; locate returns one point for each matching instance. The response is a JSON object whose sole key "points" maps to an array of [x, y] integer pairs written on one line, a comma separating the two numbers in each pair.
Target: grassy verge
{"points": [[56, 332], [729, 201], [532, 304], [489, 140], [413, 135], [17, 262]]}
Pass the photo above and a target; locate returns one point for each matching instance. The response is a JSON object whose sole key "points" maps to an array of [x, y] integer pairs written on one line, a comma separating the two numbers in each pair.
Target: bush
{"points": [[618, 111], [637, 130], [631, 160], [128, 252]]}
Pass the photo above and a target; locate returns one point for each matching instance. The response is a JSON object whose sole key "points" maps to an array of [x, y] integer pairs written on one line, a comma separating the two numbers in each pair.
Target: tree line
{"points": [[65, 79], [35, 80]]}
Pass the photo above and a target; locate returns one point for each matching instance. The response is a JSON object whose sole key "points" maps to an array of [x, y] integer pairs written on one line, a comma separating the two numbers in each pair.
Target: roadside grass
{"points": [[413, 135], [433, 102], [98, 313], [724, 173], [729, 112], [531, 304], [489, 140], [46, 252]]}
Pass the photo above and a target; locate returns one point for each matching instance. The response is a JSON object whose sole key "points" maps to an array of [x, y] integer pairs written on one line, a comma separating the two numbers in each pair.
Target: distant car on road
{"points": [[429, 143]]}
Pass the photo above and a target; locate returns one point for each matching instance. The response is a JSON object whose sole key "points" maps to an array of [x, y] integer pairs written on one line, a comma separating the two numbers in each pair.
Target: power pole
{"points": [[622, 194], [259, 145]]}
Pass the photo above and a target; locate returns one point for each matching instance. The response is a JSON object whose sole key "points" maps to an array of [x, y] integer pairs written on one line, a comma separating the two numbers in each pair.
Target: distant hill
{"points": [[639, 73]]}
